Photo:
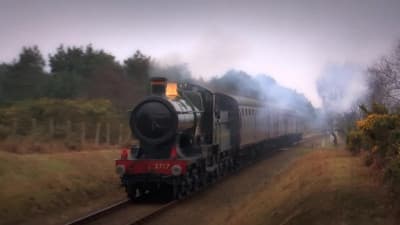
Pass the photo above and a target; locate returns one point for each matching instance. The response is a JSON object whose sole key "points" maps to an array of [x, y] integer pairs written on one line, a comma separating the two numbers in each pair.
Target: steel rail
{"points": [[99, 213], [155, 213]]}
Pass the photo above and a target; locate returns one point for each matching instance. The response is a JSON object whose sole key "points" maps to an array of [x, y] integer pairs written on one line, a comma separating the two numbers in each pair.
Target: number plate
{"points": [[161, 166]]}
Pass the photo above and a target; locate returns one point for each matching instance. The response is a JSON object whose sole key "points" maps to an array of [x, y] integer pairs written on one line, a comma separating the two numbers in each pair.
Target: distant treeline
{"points": [[75, 72], [88, 73]]}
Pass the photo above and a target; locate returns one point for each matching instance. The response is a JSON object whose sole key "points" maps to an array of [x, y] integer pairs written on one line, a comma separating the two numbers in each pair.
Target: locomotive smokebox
{"points": [[158, 85], [154, 120]]}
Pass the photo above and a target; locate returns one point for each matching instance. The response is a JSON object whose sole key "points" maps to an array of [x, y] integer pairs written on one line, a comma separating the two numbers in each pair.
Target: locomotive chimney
{"points": [[158, 85]]}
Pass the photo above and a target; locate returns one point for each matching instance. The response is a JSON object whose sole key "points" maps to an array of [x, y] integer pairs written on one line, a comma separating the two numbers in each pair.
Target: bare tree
{"points": [[341, 87], [384, 80]]}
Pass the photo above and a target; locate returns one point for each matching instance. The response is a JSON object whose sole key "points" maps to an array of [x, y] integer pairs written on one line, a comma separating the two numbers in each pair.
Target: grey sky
{"points": [[294, 41]]}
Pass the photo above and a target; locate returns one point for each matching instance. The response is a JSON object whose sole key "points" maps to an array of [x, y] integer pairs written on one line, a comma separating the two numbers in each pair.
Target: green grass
{"points": [[41, 184]]}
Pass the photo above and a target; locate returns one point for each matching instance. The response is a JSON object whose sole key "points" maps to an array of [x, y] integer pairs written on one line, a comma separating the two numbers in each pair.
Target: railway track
{"points": [[153, 214], [99, 213], [96, 217]]}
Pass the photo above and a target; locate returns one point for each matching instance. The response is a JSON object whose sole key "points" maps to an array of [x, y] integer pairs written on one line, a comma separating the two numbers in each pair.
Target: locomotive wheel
{"points": [[225, 167], [131, 190], [182, 190], [196, 182], [217, 174], [179, 188], [189, 184], [231, 164], [175, 190], [203, 179], [220, 170], [213, 176]]}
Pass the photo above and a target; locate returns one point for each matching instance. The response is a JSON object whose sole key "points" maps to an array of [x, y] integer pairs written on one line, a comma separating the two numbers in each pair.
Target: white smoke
{"points": [[341, 87], [214, 52]]}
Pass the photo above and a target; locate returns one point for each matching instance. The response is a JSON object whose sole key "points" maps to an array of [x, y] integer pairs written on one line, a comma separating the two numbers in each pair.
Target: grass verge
{"points": [[35, 185], [323, 187]]}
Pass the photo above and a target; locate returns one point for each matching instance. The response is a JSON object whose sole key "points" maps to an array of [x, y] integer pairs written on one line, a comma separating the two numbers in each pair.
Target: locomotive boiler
{"points": [[164, 120]]}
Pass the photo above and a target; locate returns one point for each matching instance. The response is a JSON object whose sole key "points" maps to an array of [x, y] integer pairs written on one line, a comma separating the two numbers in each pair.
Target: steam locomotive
{"points": [[190, 136]]}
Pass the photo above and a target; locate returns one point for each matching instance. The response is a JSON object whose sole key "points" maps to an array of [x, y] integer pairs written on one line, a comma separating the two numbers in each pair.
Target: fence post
{"points": [[33, 125], [83, 133], [108, 133], [97, 138], [51, 127], [120, 134], [68, 129], [14, 126]]}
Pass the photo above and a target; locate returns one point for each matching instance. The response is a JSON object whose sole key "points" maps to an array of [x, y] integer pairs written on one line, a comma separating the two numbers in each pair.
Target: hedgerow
{"points": [[72, 122]]}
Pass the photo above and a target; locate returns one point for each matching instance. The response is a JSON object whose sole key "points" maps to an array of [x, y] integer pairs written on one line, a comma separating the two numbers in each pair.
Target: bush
{"points": [[356, 141], [369, 159], [380, 131], [379, 134], [392, 175]]}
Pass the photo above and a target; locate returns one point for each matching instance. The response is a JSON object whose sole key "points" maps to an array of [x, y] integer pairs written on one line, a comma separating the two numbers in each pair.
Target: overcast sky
{"points": [[293, 41]]}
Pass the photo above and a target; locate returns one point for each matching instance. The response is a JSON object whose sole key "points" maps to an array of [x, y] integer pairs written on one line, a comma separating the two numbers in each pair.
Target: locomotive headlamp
{"points": [[176, 170], [172, 89], [120, 170]]}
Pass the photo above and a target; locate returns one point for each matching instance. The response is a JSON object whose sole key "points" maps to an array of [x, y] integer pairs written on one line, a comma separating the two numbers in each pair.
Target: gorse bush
{"points": [[382, 133], [392, 174], [356, 141], [378, 133]]}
